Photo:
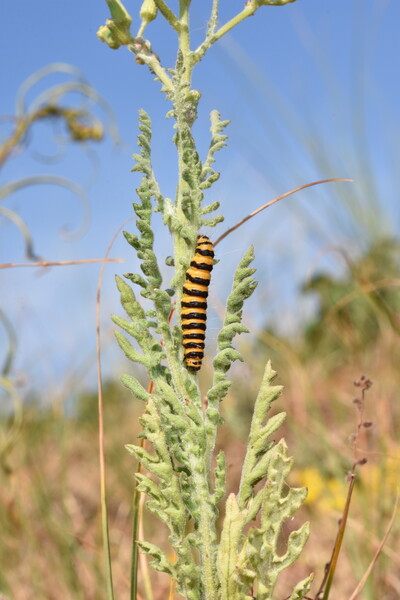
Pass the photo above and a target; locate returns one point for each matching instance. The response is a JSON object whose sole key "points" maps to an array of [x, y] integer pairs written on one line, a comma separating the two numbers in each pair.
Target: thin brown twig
{"points": [[331, 565], [60, 263], [323, 592], [378, 551], [271, 202]]}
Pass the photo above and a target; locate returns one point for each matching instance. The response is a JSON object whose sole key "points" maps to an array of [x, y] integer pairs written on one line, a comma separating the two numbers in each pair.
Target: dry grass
{"points": [[50, 523]]}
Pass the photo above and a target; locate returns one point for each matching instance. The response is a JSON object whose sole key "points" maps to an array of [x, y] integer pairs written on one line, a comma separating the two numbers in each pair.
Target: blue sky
{"points": [[312, 92]]}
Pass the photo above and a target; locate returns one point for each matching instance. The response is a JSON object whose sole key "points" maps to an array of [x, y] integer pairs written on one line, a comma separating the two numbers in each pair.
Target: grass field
{"points": [[50, 528]]}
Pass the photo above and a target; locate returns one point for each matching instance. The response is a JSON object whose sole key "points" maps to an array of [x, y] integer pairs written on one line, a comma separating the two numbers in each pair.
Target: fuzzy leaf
{"points": [[149, 487], [150, 361], [302, 588], [211, 222], [258, 448], [132, 239], [160, 562], [129, 301], [136, 388], [210, 208], [218, 141], [136, 279], [296, 542], [243, 287], [259, 441], [220, 478], [228, 549]]}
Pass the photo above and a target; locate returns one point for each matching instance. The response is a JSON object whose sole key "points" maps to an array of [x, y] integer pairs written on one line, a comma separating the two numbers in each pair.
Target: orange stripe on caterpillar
{"points": [[194, 303]]}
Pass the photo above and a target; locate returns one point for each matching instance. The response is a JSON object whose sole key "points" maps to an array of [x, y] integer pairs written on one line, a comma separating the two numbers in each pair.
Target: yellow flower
{"points": [[312, 480]]}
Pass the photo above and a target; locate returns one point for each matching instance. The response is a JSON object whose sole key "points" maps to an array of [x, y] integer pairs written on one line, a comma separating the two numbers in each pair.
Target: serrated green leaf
{"points": [[159, 561], [136, 388], [302, 588], [228, 549], [219, 477]]}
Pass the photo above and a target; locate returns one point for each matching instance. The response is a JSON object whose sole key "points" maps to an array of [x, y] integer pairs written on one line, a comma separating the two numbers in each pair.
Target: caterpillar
{"points": [[194, 303]]}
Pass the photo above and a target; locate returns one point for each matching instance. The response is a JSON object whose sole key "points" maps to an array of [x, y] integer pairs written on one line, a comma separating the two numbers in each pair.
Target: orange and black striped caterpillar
{"points": [[194, 303]]}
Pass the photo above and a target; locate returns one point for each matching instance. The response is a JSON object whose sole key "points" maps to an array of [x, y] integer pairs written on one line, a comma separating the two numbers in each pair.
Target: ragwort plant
{"points": [[183, 480]]}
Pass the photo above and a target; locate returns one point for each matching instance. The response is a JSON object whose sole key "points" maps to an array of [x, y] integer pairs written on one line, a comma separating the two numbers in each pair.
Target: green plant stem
{"points": [[154, 65], [141, 29], [168, 14], [248, 11], [180, 246], [181, 251], [184, 39], [200, 466], [206, 531]]}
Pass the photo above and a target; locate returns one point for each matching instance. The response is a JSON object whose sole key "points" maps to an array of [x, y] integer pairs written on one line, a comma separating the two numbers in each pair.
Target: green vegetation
{"points": [[177, 471], [225, 511]]}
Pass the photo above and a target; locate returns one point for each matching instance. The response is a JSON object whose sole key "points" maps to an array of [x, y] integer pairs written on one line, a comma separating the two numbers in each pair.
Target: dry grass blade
{"points": [[271, 202], [137, 533], [60, 263], [104, 518], [328, 579], [377, 553]]}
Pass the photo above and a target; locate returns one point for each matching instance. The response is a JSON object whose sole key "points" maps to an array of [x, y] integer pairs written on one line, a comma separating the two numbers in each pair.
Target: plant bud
{"points": [[148, 11], [104, 34]]}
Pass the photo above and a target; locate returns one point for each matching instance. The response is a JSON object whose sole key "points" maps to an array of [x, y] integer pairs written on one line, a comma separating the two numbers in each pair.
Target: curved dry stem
{"points": [[30, 81], [268, 204], [81, 125], [24, 229], [55, 93], [70, 185]]}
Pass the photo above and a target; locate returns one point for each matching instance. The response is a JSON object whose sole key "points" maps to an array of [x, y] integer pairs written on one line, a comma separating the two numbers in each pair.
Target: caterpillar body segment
{"points": [[194, 303]]}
